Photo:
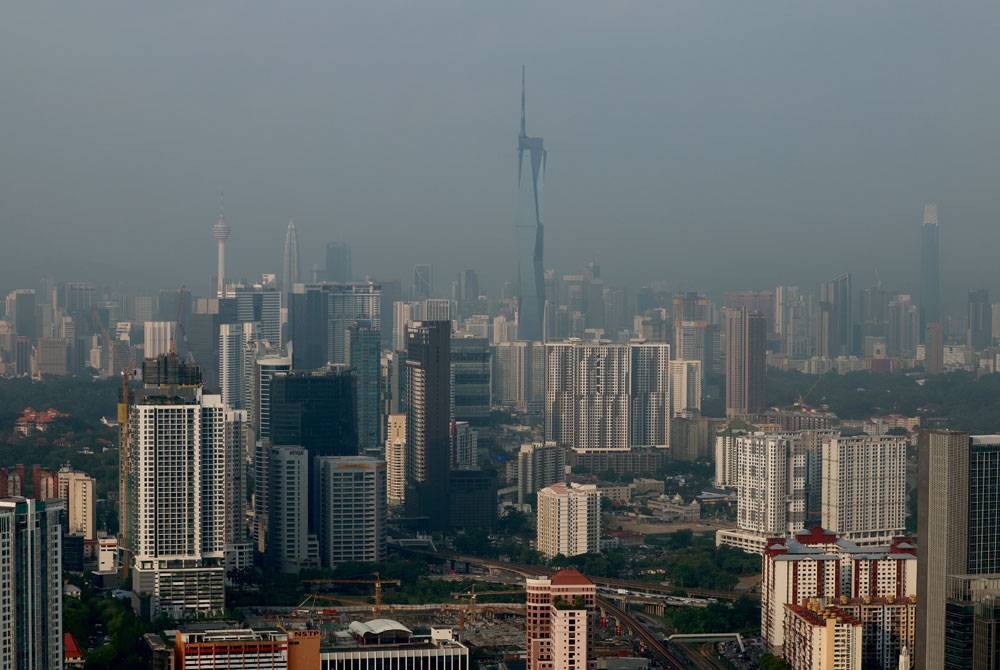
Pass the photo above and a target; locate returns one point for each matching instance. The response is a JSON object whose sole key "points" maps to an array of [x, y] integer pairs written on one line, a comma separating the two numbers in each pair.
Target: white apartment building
{"points": [[287, 541], [822, 638], [238, 363], [569, 520], [601, 396], [818, 564], [178, 455], [864, 488], [395, 460], [352, 509]]}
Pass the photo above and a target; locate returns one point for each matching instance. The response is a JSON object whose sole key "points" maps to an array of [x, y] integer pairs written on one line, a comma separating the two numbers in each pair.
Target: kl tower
{"points": [[221, 232]]}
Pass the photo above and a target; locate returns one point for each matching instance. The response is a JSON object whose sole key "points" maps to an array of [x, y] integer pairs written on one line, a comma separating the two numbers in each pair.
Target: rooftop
{"points": [[570, 577]]}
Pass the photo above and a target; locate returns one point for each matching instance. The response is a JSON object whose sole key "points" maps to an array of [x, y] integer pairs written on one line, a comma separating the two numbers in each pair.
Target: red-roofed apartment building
{"points": [[561, 621]]}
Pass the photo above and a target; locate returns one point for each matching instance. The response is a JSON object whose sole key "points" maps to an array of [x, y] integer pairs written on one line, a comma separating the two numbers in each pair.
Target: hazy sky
{"points": [[709, 144]]}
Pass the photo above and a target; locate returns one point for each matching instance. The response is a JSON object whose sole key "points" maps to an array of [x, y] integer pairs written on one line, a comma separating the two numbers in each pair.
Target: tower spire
{"points": [[524, 123]]}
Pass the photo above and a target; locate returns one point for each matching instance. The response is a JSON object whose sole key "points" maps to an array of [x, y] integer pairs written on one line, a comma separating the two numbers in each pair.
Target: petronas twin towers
{"points": [[530, 232]]}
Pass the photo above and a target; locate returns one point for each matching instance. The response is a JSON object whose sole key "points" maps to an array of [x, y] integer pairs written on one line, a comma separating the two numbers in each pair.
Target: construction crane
{"points": [[472, 594], [378, 582]]}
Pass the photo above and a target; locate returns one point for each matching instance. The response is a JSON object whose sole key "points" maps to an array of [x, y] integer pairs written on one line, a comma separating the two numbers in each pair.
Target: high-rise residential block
{"points": [[958, 523], [428, 418], [157, 338], [287, 539], [176, 484], [238, 345], [539, 464], [31, 574], [603, 396], [352, 510], [822, 638], [864, 488], [690, 314], [746, 365], [77, 490], [561, 622], [519, 375], [835, 329], [818, 564], [685, 388], [395, 460], [464, 446], [569, 520]]}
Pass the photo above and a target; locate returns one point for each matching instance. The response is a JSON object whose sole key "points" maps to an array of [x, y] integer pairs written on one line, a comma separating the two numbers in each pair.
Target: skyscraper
{"points": [[423, 282], [746, 366], [836, 324], [428, 410], [352, 510], [930, 268], [31, 572], [237, 363], [290, 261], [364, 349], [958, 523], [569, 520], [221, 232], [315, 410], [529, 230], [287, 533], [690, 315], [177, 489], [338, 262], [980, 328]]}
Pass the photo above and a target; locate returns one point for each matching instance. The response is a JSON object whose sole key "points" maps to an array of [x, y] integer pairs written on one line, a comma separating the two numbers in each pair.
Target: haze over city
{"points": [[707, 145]]}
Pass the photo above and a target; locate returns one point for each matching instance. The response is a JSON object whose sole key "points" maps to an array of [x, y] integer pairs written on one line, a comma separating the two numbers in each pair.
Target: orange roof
{"points": [[570, 577], [72, 648]]}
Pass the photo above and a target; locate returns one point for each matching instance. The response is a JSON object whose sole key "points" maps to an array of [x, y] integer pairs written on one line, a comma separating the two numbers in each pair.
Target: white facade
{"points": [[864, 488], [607, 397], [464, 447], [766, 481], [237, 363], [685, 387], [157, 337], [178, 457], [569, 520]]}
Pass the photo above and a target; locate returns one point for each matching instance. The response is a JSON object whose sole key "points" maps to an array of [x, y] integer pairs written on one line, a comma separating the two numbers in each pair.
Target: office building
{"points": [[403, 314], [817, 564], [438, 309], [176, 484], [472, 499], [157, 338], [260, 303], [569, 520], [934, 348], [428, 415], [319, 316], [980, 320], [539, 464], [315, 410], [958, 523], [31, 573], [561, 622], [364, 356], [23, 314], [822, 638], [836, 324], [290, 274], [864, 488], [395, 460], [930, 268], [267, 366], [287, 540], [685, 388], [384, 643], [338, 262], [472, 377], [603, 396], [529, 229], [746, 365], [904, 327], [77, 491], [423, 282], [352, 510], [468, 292]]}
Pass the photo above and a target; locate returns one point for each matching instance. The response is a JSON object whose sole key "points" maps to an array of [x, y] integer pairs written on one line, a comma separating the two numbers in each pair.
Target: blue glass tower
{"points": [[531, 158]]}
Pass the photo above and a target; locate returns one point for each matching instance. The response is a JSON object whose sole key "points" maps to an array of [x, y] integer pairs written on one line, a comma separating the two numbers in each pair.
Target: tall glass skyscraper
{"points": [[930, 269], [531, 157]]}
